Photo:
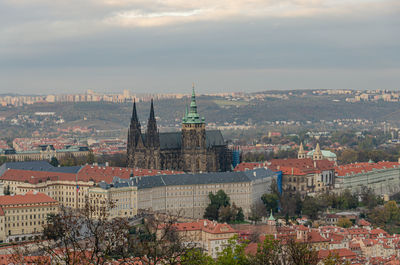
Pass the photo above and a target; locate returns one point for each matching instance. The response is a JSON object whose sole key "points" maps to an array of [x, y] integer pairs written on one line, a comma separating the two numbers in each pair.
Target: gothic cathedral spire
{"points": [[152, 137]]}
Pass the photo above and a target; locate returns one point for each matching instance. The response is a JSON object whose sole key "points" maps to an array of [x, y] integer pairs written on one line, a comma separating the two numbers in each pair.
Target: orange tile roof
{"points": [[206, 226], [315, 237], [28, 198], [87, 173], [249, 166], [306, 165], [35, 177], [357, 168], [301, 228], [99, 173], [290, 166], [362, 222], [342, 253]]}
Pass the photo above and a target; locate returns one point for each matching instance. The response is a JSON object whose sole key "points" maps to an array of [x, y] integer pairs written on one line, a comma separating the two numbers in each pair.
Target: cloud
{"points": [[49, 40]]}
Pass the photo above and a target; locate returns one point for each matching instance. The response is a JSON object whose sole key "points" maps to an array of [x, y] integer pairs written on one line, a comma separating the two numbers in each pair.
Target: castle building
{"points": [[193, 149]]}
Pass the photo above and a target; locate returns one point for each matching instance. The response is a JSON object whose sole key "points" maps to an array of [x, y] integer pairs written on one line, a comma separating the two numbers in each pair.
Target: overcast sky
{"points": [[61, 46]]}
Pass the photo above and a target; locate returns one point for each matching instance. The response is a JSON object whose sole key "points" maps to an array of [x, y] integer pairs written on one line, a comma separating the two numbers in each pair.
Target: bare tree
{"points": [[90, 236], [74, 236], [158, 241]]}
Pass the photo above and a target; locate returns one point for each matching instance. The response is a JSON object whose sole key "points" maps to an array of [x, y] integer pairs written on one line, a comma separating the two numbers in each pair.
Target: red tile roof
{"points": [[206, 226], [249, 166], [290, 166], [363, 167], [87, 173], [342, 253], [315, 237], [98, 173], [306, 165], [362, 222], [35, 177], [28, 198]]}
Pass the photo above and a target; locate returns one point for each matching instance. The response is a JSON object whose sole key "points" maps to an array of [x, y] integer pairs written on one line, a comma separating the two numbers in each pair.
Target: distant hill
{"points": [[218, 110]]}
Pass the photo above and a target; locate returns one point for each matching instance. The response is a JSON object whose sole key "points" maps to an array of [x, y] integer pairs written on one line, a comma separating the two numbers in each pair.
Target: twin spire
{"points": [[152, 137], [135, 119]]}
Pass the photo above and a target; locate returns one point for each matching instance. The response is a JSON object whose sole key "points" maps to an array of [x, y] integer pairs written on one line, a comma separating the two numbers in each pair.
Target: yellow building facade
{"points": [[22, 217]]}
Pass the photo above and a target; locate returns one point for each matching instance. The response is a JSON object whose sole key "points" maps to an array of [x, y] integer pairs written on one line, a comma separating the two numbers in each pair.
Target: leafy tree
{"points": [[369, 199], [387, 217], [270, 201], [68, 160], [196, 257], [233, 254], [274, 252], [334, 260], [344, 222], [230, 214], [90, 158], [311, 207], [348, 156], [7, 190], [54, 161], [211, 212], [221, 209], [240, 215], [257, 211]]}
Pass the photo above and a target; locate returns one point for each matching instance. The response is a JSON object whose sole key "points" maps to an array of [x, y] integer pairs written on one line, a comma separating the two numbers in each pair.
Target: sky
{"points": [[69, 46]]}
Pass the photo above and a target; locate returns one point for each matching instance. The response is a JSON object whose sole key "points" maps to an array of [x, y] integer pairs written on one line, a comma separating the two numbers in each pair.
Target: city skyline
{"points": [[223, 46]]}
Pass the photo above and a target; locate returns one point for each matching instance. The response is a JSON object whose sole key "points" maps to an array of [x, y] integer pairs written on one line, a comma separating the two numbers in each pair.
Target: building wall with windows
{"points": [[381, 177], [113, 200], [187, 194], [22, 216]]}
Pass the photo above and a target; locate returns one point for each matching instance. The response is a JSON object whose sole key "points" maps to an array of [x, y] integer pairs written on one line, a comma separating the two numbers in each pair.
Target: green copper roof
{"points": [[271, 217], [325, 153], [192, 116]]}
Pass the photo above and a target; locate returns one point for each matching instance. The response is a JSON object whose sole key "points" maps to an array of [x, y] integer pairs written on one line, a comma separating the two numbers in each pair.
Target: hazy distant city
{"points": [[200, 132]]}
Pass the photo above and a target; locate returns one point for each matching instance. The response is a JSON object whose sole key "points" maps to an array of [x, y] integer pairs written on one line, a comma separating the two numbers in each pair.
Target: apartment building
{"points": [[118, 199], [98, 184], [22, 216], [210, 236]]}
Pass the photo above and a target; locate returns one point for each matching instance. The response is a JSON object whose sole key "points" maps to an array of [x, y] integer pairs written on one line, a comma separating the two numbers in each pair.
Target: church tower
{"points": [[317, 155], [194, 148], [135, 141], [301, 154], [152, 141]]}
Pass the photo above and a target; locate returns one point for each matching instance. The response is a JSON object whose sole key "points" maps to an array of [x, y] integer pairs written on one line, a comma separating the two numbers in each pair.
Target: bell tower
{"points": [[152, 141], [301, 154], [135, 141], [194, 146]]}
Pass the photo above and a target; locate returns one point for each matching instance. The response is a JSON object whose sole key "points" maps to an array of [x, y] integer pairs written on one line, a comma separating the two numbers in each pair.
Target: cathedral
{"points": [[193, 149]]}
